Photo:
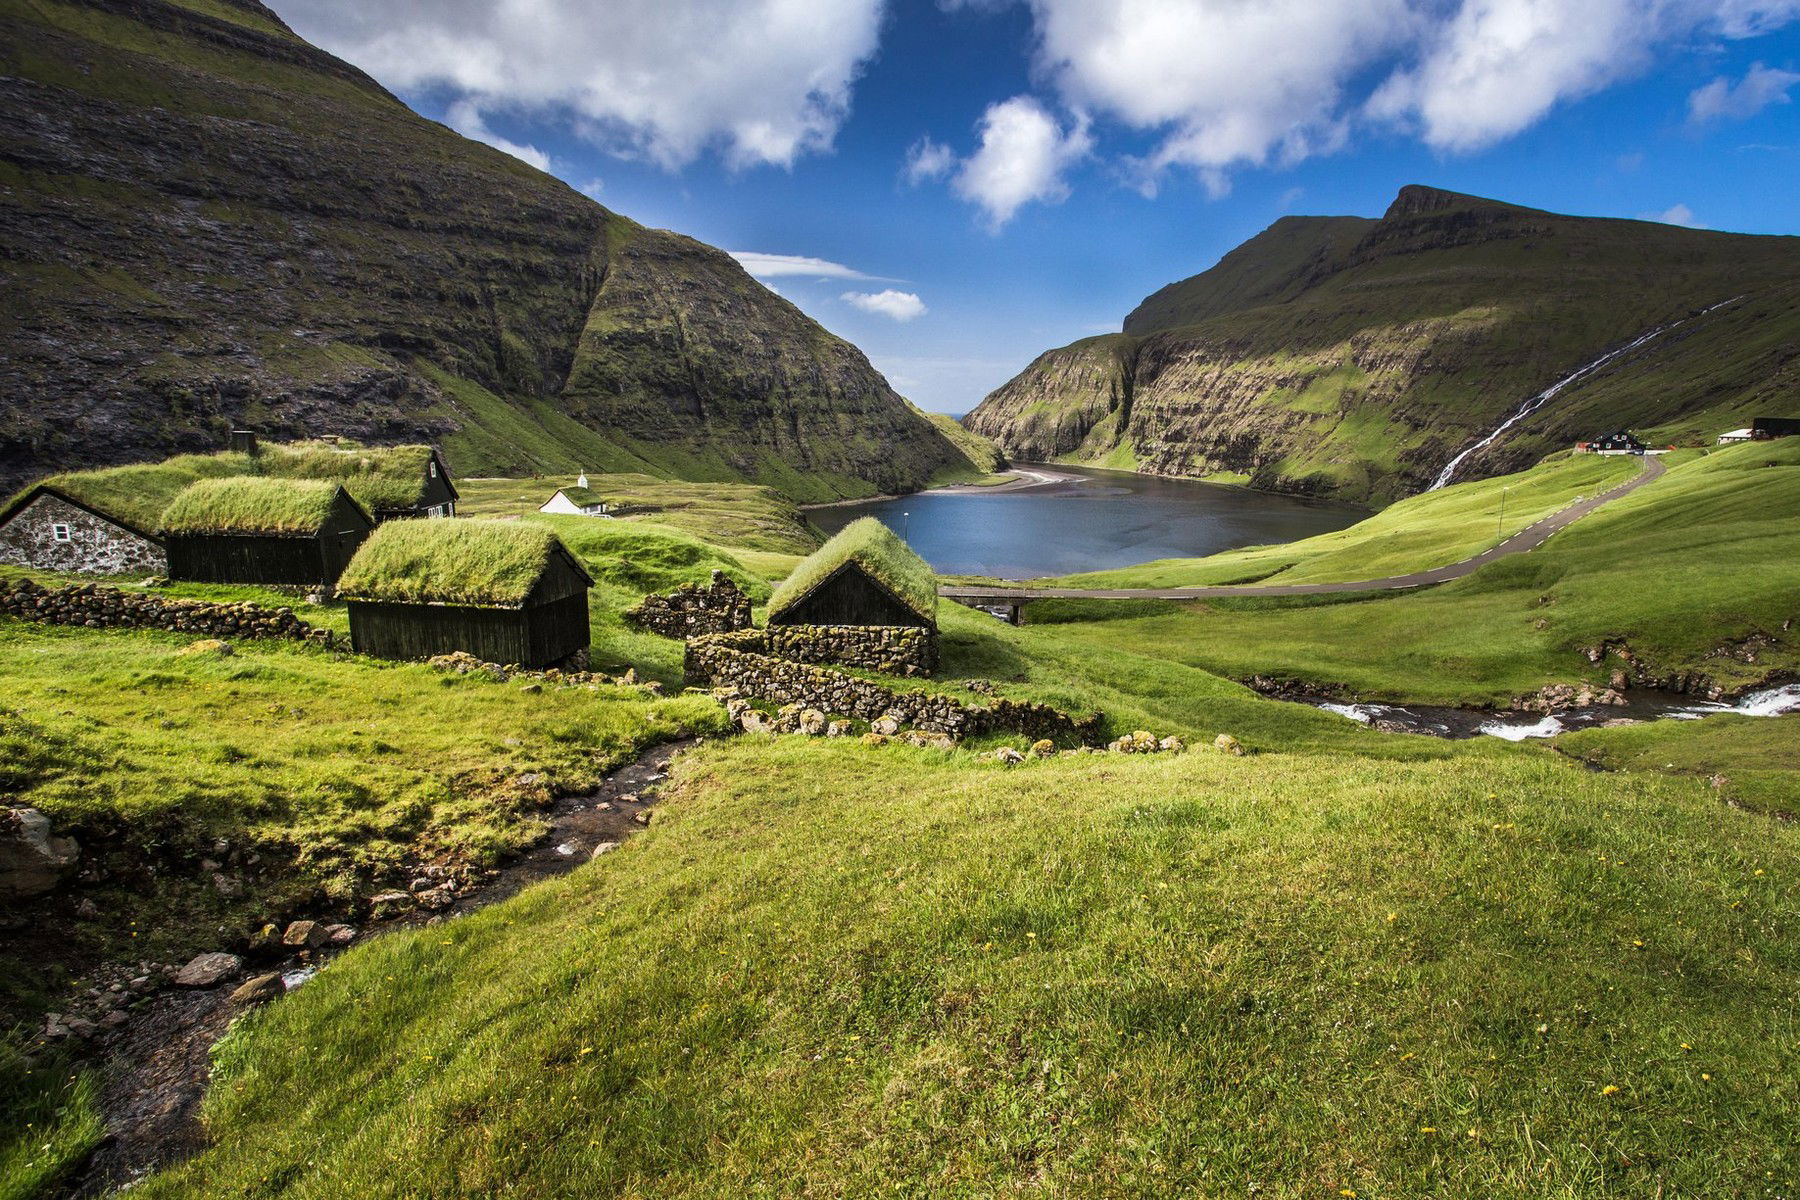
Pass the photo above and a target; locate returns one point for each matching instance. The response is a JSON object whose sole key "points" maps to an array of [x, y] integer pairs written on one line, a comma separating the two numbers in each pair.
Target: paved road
{"points": [[1529, 538]]}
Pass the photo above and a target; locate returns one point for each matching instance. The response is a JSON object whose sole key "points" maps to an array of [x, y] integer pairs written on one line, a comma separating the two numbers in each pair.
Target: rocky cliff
{"points": [[1354, 357], [208, 222]]}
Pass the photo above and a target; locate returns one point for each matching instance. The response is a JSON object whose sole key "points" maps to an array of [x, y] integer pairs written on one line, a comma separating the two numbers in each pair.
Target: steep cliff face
{"points": [[1354, 357], [208, 222]]}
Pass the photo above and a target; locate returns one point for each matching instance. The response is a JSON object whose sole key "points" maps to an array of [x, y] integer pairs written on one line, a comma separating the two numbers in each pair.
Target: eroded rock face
{"points": [[33, 860]]}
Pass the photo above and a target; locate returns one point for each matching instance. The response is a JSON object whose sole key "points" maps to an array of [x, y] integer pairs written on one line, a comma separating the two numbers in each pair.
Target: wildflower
{"points": [[587, 1049], [1705, 1078], [1428, 1129], [1685, 1046], [1392, 916], [1031, 935], [1611, 1089], [1474, 1133], [1346, 1191], [1759, 870]]}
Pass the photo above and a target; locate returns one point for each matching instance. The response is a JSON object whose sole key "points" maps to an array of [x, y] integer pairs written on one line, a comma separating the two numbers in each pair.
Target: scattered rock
{"points": [[205, 970], [812, 722], [1043, 748], [32, 862], [887, 725], [1007, 756], [340, 935], [437, 897], [213, 646], [1171, 745], [260, 989], [1228, 744], [642, 816], [838, 729], [532, 689], [603, 848], [388, 904], [307, 935]]}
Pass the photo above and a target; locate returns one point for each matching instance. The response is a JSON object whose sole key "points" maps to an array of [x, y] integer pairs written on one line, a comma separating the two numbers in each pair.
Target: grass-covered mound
{"points": [[876, 549], [493, 564], [839, 970], [253, 505]]}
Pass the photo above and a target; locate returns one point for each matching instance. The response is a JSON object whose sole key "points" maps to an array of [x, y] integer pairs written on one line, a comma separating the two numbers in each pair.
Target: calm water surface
{"points": [[1090, 520]]}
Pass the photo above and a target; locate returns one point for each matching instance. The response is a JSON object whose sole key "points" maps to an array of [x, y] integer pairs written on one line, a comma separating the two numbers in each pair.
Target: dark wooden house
{"points": [[863, 576], [506, 592], [1764, 429], [1617, 442], [255, 529]]}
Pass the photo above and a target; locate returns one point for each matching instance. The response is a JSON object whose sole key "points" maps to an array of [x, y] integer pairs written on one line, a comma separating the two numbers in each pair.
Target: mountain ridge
{"points": [[1353, 356], [212, 223]]}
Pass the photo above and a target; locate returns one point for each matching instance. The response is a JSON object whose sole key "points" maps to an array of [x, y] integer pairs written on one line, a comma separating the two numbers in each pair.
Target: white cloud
{"points": [[771, 266], [928, 160], [1023, 154], [762, 81], [900, 306], [1677, 214], [1723, 100], [465, 117], [592, 188], [1233, 83]]}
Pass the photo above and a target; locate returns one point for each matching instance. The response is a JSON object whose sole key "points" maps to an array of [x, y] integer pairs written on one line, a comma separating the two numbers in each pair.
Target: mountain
{"points": [[1355, 357], [210, 223]]}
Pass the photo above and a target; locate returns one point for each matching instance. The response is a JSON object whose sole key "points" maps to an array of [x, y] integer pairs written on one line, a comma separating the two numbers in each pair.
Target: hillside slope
{"points": [[208, 222], [1355, 358]]}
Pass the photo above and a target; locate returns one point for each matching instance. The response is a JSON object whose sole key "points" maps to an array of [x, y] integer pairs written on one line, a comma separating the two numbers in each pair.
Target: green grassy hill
{"points": [[1346, 962], [1355, 357], [213, 224]]}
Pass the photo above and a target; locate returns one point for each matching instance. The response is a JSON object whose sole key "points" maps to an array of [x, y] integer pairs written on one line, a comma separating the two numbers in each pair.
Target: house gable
{"points": [[50, 531]]}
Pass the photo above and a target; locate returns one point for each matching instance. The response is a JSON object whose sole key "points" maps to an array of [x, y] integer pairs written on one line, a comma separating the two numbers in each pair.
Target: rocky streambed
{"points": [[149, 1028]]}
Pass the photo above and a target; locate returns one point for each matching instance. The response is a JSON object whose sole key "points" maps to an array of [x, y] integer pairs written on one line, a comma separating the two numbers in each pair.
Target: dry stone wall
{"points": [[890, 649], [51, 534], [743, 661], [693, 611], [97, 607]]}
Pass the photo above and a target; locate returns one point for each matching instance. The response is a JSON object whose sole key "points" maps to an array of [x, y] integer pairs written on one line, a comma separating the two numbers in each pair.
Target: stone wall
{"points": [[97, 607], [890, 649], [695, 611], [743, 660], [94, 546]]}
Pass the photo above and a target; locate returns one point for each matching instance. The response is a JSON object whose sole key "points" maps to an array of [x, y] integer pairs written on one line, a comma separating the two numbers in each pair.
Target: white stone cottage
{"points": [[50, 530]]}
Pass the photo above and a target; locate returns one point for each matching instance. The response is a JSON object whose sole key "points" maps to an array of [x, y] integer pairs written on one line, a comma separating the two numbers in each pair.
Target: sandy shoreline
{"points": [[1029, 479]]}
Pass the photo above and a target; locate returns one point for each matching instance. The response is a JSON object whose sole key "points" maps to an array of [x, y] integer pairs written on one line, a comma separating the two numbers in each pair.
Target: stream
{"points": [[1448, 722]]}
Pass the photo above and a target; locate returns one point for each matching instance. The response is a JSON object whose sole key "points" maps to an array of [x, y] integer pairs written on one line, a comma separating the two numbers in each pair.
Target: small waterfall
{"points": [[1550, 393]]}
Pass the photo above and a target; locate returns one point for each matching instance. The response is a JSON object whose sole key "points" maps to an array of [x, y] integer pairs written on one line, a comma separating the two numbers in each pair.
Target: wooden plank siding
{"points": [[849, 596], [298, 560]]}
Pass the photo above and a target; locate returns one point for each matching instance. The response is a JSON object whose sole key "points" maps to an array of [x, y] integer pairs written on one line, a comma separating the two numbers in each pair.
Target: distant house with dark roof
{"points": [[51, 529], [254, 529], [504, 591], [1617, 442], [1764, 429]]}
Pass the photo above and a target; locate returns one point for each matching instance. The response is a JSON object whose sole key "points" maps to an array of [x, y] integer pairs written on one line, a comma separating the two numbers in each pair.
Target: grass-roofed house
{"points": [[505, 591], [392, 482], [254, 529], [106, 521], [863, 599]]}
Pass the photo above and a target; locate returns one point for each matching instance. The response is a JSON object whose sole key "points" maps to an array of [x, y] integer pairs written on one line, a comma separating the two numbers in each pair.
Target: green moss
{"points": [[139, 494], [489, 563], [251, 504], [384, 477], [879, 551]]}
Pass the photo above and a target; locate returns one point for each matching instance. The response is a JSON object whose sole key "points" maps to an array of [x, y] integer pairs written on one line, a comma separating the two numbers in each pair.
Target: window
{"points": [[434, 468], [60, 532]]}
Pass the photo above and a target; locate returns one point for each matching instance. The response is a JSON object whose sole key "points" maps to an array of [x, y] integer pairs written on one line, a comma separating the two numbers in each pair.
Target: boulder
{"points": [[1228, 744], [837, 729], [812, 722], [1171, 745], [1043, 748], [1007, 756], [307, 935], [32, 861], [205, 970], [258, 990]]}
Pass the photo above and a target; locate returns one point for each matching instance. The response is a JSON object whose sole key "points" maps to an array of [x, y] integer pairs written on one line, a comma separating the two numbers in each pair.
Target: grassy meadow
{"points": [[1347, 963]]}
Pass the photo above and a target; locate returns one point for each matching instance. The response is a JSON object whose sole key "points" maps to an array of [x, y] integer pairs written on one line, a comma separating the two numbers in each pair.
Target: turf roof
{"points": [[880, 552], [138, 494], [485, 563], [378, 476], [251, 504]]}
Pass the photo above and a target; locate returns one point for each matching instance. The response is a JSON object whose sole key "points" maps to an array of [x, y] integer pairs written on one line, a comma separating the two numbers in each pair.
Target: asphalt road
{"points": [[1528, 538]]}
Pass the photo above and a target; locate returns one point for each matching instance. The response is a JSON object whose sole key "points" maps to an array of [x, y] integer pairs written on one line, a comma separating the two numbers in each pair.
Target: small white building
{"points": [[577, 501], [1736, 436]]}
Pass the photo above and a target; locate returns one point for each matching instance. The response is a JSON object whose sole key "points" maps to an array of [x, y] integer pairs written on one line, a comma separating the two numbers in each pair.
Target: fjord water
{"points": [[1089, 520]]}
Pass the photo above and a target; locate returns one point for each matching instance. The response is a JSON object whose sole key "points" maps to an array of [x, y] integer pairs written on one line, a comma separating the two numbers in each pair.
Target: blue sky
{"points": [[984, 180]]}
